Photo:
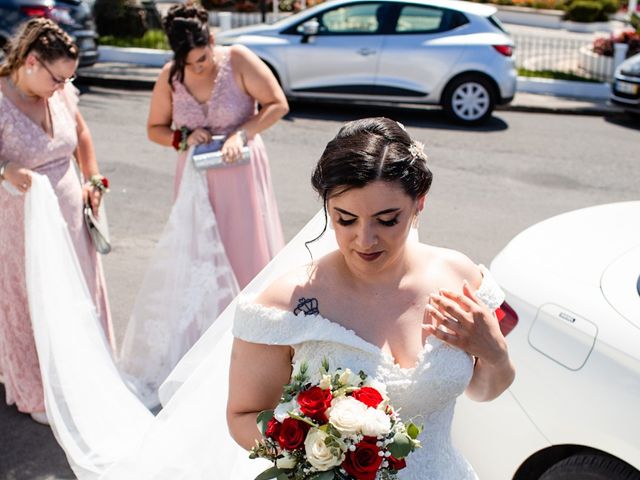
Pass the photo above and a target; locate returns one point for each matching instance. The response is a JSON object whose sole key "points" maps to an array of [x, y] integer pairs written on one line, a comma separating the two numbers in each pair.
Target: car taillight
{"points": [[58, 15], [35, 11], [506, 50], [507, 317]]}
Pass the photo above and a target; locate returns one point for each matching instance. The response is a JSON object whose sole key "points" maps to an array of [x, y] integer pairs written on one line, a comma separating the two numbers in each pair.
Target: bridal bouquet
{"points": [[341, 428]]}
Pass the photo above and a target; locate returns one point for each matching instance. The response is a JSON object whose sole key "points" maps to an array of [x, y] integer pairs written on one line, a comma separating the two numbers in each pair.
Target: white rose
{"points": [[318, 454], [282, 410], [287, 461], [349, 378], [346, 414], [375, 423], [325, 382]]}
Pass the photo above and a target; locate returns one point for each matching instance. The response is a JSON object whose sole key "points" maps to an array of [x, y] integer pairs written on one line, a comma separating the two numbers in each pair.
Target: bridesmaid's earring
{"points": [[416, 221]]}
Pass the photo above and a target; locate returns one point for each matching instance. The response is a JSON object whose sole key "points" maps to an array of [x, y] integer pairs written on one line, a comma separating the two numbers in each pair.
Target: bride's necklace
{"points": [[24, 96]]}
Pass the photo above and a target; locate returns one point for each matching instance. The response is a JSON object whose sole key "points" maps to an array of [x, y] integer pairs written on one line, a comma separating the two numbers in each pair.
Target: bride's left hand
{"points": [[92, 195], [468, 324]]}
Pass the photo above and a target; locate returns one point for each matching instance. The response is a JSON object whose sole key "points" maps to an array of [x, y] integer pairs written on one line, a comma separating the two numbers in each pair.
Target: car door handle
{"points": [[366, 52]]}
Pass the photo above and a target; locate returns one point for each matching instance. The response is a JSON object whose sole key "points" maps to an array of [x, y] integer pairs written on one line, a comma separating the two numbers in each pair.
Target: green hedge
{"points": [[151, 39]]}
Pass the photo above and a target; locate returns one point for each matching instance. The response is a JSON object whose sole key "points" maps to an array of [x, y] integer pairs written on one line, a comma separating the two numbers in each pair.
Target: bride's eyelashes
{"points": [[390, 223], [344, 223], [386, 223]]}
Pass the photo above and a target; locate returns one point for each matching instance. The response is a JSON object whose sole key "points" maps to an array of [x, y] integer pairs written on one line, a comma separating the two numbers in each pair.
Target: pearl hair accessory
{"points": [[416, 149]]}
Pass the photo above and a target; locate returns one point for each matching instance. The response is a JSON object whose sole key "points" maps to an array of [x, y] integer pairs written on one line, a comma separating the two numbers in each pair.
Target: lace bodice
{"points": [[426, 392], [227, 108]]}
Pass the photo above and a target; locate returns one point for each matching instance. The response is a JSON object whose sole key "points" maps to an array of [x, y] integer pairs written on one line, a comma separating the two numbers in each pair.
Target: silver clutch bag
{"points": [[208, 155], [98, 230]]}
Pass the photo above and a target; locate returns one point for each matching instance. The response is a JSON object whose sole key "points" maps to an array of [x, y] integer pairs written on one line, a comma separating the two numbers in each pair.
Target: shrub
{"points": [[604, 45], [120, 18], [584, 11]]}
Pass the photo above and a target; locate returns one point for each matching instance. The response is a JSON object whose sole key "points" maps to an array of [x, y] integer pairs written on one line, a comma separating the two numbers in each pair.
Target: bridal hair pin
{"points": [[416, 149]]}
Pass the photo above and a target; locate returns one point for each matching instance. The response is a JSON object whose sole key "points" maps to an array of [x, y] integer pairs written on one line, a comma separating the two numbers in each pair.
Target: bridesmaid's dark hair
{"points": [[40, 36], [368, 150], [187, 27]]}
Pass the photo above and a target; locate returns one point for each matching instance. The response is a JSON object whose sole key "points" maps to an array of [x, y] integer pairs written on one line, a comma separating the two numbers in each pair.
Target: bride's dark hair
{"points": [[368, 150], [187, 27]]}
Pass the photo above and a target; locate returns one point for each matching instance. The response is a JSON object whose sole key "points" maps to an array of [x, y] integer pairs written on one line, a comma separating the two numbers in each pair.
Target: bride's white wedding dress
{"points": [[108, 434], [426, 392]]}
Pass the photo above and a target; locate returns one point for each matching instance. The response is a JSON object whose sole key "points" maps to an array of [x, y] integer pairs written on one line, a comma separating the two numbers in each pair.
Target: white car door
{"points": [[342, 59], [417, 55]]}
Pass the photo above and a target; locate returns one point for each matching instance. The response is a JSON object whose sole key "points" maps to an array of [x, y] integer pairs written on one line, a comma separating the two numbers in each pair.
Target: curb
{"points": [[114, 81]]}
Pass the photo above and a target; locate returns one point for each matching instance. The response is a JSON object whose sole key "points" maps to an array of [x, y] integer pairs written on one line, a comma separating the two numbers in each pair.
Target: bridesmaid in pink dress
{"points": [[41, 130], [215, 90]]}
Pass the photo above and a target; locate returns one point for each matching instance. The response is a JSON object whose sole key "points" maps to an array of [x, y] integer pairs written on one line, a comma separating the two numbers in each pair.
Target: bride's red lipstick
{"points": [[369, 257]]}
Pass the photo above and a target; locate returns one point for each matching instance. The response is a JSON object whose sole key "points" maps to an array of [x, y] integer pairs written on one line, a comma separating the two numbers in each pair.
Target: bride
{"points": [[416, 317]]}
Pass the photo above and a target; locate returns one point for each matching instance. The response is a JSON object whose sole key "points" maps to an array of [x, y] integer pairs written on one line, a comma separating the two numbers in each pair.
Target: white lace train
{"points": [[105, 430], [187, 286]]}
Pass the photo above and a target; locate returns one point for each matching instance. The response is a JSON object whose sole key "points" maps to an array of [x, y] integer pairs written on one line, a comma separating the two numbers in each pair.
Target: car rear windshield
{"points": [[497, 23]]}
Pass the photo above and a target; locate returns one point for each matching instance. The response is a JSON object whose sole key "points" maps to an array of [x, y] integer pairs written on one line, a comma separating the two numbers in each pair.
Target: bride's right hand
{"points": [[198, 136], [18, 176]]}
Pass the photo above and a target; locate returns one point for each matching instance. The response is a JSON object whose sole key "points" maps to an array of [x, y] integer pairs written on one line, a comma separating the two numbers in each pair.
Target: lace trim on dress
{"points": [[273, 326]]}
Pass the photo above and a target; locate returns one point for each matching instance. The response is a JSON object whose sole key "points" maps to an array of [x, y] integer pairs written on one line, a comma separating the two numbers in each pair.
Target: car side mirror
{"points": [[310, 28]]}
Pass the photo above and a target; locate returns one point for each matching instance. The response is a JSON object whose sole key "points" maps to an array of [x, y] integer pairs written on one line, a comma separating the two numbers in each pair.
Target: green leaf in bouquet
{"points": [[306, 420], [413, 430], [402, 445], [273, 472], [325, 364], [264, 417]]}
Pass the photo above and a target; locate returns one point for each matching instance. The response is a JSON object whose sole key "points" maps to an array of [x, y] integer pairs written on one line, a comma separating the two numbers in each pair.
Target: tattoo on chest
{"points": [[308, 306]]}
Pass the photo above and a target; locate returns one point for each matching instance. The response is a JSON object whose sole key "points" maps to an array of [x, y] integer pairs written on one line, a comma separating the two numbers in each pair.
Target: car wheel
{"points": [[469, 99], [590, 467]]}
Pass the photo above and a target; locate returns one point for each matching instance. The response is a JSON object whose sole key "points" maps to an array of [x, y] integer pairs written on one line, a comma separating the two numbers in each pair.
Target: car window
{"points": [[417, 19], [360, 18]]}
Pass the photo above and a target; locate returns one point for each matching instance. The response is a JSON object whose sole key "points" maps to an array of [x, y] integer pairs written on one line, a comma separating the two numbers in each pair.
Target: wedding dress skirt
{"points": [[104, 428]]}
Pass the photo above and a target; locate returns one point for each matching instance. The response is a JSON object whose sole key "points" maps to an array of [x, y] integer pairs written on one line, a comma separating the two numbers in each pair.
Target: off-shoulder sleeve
{"points": [[259, 324], [489, 292]]}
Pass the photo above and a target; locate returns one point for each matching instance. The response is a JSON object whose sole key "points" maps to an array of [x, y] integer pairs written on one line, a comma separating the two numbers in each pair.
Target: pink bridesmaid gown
{"points": [[241, 196], [24, 142]]}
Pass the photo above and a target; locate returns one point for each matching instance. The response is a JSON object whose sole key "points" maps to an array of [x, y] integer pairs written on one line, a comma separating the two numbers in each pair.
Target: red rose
{"points": [[105, 182], [369, 396], [314, 403], [365, 461], [396, 463], [273, 429], [292, 433]]}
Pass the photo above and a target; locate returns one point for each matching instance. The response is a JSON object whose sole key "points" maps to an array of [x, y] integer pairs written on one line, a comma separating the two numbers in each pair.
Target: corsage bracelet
{"points": [[99, 182], [179, 140]]}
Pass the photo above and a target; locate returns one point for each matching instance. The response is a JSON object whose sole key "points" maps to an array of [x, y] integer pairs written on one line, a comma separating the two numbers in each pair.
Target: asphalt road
{"points": [[489, 184]]}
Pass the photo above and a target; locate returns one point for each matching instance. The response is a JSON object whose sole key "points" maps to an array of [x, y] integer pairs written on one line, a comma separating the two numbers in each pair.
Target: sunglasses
{"points": [[55, 79]]}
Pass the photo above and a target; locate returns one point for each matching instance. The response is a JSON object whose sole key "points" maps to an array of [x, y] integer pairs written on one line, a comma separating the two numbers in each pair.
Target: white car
{"points": [[443, 52], [573, 412]]}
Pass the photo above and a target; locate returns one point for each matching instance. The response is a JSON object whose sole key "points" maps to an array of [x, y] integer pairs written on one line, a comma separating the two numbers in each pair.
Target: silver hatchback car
{"points": [[440, 52]]}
